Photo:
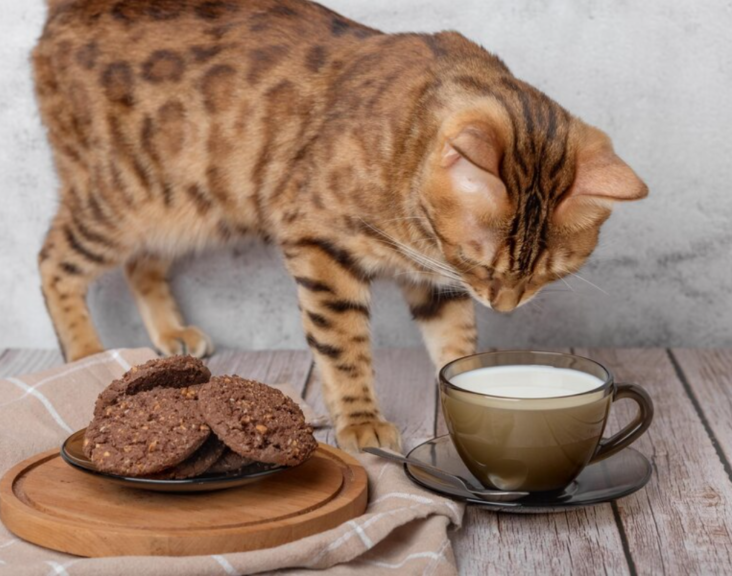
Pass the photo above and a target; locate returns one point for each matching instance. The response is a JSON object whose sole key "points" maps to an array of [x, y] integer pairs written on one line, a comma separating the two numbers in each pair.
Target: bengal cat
{"points": [[179, 125]]}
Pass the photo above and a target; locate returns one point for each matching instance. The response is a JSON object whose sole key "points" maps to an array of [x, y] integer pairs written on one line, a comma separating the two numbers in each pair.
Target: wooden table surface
{"points": [[680, 523]]}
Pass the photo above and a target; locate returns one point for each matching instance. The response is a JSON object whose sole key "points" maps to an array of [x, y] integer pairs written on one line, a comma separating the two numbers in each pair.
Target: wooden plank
{"points": [[682, 521], [585, 541], [707, 377], [580, 542], [271, 367], [405, 386], [15, 362]]}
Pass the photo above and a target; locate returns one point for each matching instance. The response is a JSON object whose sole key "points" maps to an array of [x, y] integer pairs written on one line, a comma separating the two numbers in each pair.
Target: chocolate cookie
{"points": [[230, 461], [146, 433], [201, 462], [173, 372], [256, 421]]}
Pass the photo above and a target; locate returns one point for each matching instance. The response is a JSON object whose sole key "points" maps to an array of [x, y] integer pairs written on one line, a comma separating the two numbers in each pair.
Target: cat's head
{"points": [[516, 191]]}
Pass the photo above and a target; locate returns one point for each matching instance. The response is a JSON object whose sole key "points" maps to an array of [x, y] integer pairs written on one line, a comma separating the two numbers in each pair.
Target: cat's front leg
{"points": [[446, 319], [334, 300]]}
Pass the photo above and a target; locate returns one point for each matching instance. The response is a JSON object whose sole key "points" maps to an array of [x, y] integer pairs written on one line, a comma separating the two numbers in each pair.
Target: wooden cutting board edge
{"points": [[78, 538]]}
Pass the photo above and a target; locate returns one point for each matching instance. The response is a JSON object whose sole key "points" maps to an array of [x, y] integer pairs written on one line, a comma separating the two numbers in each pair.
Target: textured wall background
{"points": [[657, 75]]}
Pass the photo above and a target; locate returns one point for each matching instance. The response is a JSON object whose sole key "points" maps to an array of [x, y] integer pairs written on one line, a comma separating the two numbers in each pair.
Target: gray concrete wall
{"points": [[657, 75]]}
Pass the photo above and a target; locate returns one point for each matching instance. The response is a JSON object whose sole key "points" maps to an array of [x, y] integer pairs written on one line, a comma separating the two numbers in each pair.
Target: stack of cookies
{"points": [[169, 419]]}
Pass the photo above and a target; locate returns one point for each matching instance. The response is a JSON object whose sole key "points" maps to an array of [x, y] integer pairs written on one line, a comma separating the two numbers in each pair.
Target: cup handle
{"points": [[634, 430]]}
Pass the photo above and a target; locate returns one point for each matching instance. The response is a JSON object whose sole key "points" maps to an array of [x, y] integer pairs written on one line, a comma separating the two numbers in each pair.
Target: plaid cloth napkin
{"points": [[404, 529]]}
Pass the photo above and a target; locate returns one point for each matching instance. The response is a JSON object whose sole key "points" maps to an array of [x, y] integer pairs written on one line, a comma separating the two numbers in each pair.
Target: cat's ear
{"points": [[472, 158], [601, 179]]}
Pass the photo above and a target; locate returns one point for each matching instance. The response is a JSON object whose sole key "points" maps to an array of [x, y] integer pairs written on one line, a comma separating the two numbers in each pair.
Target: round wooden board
{"points": [[47, 502]]}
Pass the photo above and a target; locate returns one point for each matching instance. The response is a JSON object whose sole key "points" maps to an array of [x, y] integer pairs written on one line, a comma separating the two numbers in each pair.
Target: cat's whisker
{"points": [[421, 273], [574, 293], [408, 252], [473, 267], [535, 302], [591, 284], [434, 264], [421, 259], [567, 284], [427, 263], [401, 218]]}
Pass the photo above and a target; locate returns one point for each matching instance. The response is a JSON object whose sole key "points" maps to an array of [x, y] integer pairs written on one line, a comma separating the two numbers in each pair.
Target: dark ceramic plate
{"points": [[612, 478], [72, 453]]}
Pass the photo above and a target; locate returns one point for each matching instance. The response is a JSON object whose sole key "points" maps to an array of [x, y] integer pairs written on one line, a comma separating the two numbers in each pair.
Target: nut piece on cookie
{"points": [[173, 372], [256, 421]]}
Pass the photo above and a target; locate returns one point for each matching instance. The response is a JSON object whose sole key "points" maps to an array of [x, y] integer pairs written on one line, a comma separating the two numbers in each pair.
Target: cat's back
{"points": [[197, 104], [168, 40], [142, 52], [186, 19]]}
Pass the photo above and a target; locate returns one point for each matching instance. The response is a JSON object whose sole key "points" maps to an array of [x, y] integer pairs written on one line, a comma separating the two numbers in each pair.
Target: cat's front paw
{"points": [[189, 340], [355, 437]]}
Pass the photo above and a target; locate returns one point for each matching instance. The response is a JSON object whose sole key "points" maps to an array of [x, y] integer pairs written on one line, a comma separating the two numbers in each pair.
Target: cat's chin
{"points": [[487, 303]]}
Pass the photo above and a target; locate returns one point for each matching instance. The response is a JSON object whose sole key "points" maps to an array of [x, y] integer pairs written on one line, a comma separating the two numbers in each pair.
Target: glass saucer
{"points": [[72, 453], [612, 478]]}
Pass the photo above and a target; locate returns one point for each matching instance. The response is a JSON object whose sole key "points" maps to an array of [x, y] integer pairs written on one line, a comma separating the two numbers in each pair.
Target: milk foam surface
{"points": [[526, 381]]}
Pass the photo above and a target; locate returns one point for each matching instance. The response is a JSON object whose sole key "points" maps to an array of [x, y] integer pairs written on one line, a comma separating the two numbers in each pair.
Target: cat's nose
{"points": [[495, 288], [503, 298], [504, 304]]}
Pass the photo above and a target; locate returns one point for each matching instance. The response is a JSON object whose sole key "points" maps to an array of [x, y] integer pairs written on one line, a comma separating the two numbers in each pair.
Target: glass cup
{"points": [[536, 444]]}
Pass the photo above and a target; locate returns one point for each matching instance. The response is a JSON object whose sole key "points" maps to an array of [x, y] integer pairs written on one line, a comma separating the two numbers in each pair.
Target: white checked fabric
{"points": [[404, 530]]}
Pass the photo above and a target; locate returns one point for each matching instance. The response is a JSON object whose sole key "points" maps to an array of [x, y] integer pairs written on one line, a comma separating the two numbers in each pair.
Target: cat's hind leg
{"points": [[147, 276], [76, 251]]}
